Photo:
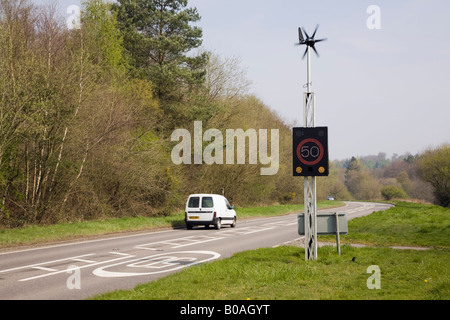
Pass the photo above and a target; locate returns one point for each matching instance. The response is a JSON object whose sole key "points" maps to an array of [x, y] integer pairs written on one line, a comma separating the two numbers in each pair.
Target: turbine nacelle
{"points": [[310, 41]]}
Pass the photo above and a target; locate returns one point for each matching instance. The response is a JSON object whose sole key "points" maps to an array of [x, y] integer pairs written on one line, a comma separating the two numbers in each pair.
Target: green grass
{"points": [[406, 224], [282, 273], [31, 235]]}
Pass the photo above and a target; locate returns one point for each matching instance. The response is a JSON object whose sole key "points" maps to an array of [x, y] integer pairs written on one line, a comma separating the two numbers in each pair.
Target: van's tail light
{"points": [[214, 214], [185, 215]]}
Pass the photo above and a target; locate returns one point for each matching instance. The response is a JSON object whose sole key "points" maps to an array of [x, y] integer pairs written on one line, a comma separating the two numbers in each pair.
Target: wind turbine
{"points": [[309, 41]]}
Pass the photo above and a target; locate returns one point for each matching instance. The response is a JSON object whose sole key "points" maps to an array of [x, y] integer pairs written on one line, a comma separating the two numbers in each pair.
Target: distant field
{"points": [[282, 273]]}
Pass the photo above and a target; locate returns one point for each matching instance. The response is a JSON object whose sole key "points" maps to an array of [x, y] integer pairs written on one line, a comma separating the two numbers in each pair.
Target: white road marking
{"points": [[83, 260], [177, 243], [365, 206], [245, 230], [44, 263], [162, 263], [119, 253], [53, 271], [45, 269]]}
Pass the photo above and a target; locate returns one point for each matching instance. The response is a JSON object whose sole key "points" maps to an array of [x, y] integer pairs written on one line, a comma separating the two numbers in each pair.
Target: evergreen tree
{"points": [[353, 166], [158, 36]]}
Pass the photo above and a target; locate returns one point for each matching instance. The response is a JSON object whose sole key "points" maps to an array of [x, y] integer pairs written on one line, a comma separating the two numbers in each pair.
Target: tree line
{"points": [[424, 176], [86, 117]]}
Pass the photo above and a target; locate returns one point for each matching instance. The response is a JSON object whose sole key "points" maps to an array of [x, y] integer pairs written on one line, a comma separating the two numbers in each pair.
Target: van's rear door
{"points": [[193, 208], [207, 208], [200, 208]]}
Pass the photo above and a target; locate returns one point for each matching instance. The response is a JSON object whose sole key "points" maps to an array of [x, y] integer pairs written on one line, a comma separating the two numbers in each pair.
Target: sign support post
{"points": [[310, 201], [338, 242]]}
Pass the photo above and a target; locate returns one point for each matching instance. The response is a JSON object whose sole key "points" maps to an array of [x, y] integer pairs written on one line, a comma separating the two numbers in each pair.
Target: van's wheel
{"points": [[234, 223], [218, 224], [189, 226]]}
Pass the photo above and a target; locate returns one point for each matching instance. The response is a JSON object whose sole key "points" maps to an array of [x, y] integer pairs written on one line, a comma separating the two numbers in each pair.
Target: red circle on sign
{"points": [[310, 163]]}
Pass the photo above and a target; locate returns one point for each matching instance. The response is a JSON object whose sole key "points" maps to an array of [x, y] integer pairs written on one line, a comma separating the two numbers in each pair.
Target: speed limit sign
{"points": [[310, 151]]}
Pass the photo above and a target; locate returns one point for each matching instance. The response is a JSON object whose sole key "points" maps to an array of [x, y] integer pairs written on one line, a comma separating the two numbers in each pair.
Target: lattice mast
{"points": [[309, 120]]}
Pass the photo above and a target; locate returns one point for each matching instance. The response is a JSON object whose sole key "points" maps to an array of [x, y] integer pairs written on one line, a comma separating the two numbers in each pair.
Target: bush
{"points": [[434, 168], [393, 192]]}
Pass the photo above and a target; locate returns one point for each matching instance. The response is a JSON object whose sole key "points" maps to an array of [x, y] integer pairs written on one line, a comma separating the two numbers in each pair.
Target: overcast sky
{"points": [[378, 90]]}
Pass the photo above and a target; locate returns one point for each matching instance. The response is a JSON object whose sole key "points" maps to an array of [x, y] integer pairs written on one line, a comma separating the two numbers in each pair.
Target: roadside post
{"points": [[338, 241]]}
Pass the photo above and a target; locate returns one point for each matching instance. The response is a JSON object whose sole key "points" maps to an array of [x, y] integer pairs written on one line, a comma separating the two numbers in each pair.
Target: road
{"points": [[79, 270]]}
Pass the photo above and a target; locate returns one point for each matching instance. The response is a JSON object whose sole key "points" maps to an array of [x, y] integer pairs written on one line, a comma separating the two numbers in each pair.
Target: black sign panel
{"points": [[310, 151]]}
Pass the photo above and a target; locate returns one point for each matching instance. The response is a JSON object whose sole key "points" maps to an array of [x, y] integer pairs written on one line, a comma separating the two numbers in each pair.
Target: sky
{"points": [[383, 89]]}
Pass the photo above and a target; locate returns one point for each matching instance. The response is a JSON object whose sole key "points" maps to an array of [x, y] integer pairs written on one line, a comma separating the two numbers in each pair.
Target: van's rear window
{"points": [[194, 202], [207, 202]]}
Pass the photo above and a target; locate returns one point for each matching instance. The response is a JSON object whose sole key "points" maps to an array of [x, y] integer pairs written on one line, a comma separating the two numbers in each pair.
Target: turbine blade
{"points": [[319, 40], [300, 35], [314, 34], [315, 50], [306, 51], [306, 34]]}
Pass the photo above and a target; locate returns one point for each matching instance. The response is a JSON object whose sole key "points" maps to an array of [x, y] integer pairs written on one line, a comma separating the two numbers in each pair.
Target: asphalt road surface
{"points": [[79, 270]]}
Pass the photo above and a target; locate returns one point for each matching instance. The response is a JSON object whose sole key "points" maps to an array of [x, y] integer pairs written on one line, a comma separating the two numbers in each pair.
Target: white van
{"points": [[209, 209]]}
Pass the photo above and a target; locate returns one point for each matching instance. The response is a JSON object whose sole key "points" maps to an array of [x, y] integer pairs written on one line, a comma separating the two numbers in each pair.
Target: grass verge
{"points": [[32, 235], [406, 224], [282, 274]]}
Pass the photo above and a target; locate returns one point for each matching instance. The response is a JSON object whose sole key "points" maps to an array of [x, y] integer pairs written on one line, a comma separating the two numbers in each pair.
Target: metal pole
{"points": [[310, 202], [309, 70], [338, 243]]}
